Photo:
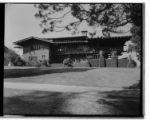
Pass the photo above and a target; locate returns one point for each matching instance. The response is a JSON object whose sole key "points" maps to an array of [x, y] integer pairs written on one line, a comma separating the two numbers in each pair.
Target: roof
{"points": [[65, 40], [112, 37], [79, 36], [70, 42], [53, 40], [19, 42]]}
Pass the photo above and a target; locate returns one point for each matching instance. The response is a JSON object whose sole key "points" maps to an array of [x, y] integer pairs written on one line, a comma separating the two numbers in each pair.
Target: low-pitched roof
{"points": [[64, 40], [20, 42]]}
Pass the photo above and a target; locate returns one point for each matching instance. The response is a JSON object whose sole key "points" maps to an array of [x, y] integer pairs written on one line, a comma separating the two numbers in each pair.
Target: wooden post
{"points": [[114, 59], [101, 59]]}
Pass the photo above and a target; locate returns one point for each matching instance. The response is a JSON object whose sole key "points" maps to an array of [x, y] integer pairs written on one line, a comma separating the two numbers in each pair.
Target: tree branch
{"points": [[70, 24], [59, 30], [59, 17], [124, 23]]}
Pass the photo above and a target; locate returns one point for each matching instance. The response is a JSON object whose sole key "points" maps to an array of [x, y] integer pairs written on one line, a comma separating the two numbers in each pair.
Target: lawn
{"points": [[100, 77], [15, 72], [34, 102]]}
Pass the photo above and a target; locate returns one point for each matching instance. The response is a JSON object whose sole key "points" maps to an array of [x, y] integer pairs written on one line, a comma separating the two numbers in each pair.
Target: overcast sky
{"points": [[20, 23]]}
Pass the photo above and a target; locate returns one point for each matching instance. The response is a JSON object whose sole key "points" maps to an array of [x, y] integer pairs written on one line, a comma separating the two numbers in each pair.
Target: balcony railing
{"points": [[75, 52]]}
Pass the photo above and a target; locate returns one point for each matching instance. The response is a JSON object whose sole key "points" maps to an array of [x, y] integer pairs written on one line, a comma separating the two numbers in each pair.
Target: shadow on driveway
{"points": [[125, 102]]}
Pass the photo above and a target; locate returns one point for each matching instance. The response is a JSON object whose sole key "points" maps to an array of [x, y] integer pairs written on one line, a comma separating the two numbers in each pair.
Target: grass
{"points": [[15, 73], [103, 77], [125, 102]]}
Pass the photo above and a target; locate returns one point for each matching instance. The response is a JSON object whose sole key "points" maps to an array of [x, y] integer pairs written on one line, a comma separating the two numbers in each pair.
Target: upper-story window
{"points": [[34, 47]]}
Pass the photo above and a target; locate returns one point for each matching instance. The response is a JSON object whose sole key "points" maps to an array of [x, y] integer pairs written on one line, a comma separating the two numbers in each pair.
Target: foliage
{"points": [[11, 56], [136, 38], [136, 17], [45, 63], [114, 54], [18, 61], [135, 11], [136, 85], [67, 62], [33, 63], [110, 16]]}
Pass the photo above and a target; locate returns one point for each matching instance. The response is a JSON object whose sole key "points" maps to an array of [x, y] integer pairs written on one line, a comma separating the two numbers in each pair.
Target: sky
{"points": [[20, 23]]}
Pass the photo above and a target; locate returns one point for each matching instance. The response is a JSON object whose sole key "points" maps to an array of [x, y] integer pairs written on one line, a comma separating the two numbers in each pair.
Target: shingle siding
{"points": [[41, 52]]}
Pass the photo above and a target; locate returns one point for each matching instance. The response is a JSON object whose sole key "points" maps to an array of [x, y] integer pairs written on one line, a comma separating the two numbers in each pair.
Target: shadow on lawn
{"points": [[35, 103], [15, 73], [126, 102]]}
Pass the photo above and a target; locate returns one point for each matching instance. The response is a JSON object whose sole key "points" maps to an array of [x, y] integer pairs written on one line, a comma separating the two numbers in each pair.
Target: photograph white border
{"points": [[147, 43]]}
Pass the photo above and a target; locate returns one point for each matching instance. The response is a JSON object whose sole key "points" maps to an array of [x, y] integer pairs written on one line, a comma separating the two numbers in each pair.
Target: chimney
{"points": [[84, 33]]}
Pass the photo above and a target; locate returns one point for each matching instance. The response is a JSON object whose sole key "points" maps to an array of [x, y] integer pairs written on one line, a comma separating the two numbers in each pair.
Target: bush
{"points": [[17, 61], [67, 62], [44, 62], [36, 63], [131, 64], [135, 86], [33, 63], [11, 56], [82, 64], [114, 54]]}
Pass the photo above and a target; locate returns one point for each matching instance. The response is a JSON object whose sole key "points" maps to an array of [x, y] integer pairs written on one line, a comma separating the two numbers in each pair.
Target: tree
{"points": [[136, 30], [108, 16]]}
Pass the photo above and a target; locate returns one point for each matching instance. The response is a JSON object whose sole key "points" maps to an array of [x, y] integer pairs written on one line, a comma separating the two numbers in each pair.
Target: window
{"points": [[43, 56], [32, 58]]}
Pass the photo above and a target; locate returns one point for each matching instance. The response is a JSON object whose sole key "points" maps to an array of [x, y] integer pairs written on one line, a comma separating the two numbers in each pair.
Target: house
{"points": [[55, 50]]}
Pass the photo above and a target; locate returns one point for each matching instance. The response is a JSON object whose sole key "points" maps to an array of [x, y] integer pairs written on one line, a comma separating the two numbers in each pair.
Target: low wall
{"points": [[122, 63], [111, 63]]}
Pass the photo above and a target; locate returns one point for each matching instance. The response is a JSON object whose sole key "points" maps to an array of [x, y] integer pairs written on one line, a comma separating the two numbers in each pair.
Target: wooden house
{"points": [[55, 50]]}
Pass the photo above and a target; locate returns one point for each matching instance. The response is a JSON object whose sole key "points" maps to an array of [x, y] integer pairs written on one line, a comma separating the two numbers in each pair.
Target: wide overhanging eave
{"points": [[30, 39]]}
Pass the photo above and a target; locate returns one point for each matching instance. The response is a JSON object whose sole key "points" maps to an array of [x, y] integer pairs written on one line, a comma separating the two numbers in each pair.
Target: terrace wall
{"points": [[111, 63]]}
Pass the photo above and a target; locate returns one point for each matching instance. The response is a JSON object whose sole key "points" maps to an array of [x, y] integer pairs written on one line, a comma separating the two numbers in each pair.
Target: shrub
{"points": [[84, 63], [34, 63], [17, 61], [114, 54], [11, 56], [44, 62], [131, 64], [67, 62]]}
